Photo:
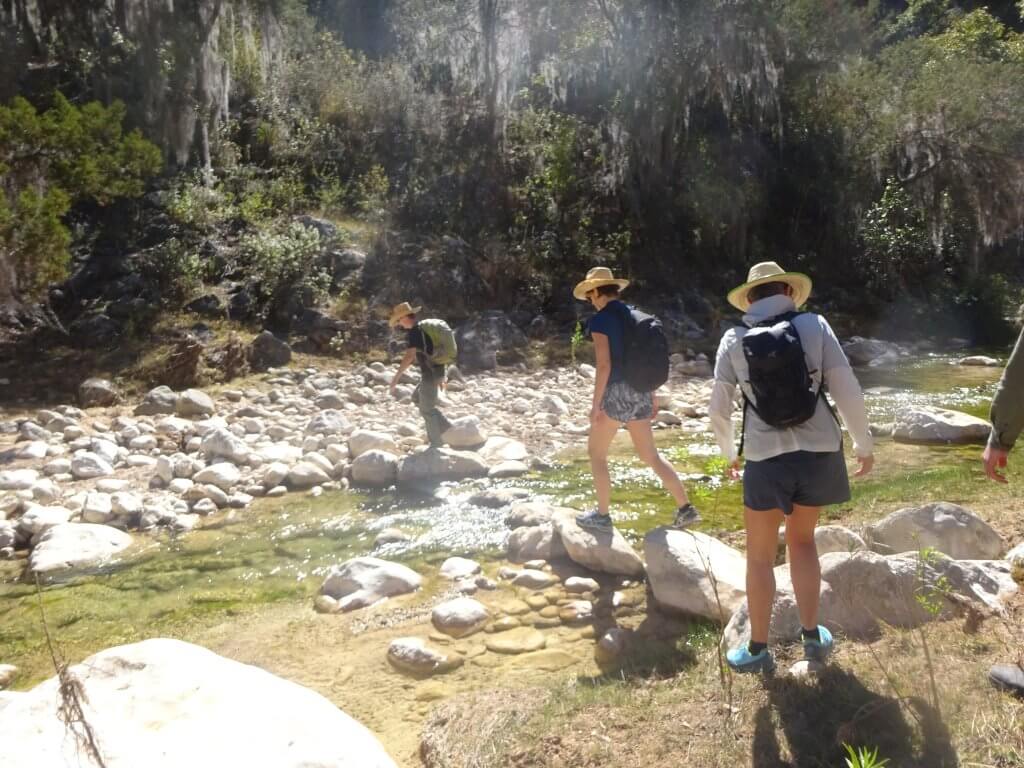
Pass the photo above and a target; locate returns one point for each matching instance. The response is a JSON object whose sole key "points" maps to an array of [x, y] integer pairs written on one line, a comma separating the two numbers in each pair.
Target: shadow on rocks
{"points": [[819, 717]]}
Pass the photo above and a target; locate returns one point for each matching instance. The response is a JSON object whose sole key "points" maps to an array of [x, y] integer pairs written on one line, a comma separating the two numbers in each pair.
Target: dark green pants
{"points": [[425, 396]]}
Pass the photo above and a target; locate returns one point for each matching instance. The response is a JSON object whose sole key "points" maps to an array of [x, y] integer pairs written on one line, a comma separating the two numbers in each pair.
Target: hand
{"points": [[866, 465], [733, 472], [994, 458], [595, 413]]}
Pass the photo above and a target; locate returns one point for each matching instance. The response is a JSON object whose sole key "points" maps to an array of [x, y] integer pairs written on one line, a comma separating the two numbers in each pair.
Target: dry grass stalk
{"points": [[72, 696]]}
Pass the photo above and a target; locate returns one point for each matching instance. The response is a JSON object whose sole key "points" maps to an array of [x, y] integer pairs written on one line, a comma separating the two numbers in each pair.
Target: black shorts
{"points": [[801, 477]]}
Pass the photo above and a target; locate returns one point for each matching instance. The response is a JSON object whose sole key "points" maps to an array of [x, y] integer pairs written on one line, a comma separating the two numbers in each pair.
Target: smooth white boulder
{"points": [[949, 528], [605, 551], [530, 513], [38, 519], [363, 440], [69, 548], [978, 360], [497, 449], [194, 402], [695, 573], [535, 542], [939, 426], [168, 704], [88, 465], [223, 474], [328, 423], [412, 654], [375, 469], [465, 433], [439, 465], [455, 568], [220, 443], [306, 474], [364, 581], [459, 617]]}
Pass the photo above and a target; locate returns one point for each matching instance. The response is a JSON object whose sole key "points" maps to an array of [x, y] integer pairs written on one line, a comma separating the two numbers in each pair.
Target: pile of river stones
{"points": [[77, 480], [570, 577]]}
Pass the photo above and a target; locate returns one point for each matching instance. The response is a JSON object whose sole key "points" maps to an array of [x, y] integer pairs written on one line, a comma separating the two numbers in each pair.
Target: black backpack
{"points": [[645, 366], [783, 387]]}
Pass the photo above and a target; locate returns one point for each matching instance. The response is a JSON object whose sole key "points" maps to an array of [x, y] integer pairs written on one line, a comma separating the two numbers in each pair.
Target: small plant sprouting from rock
{"points": [[931, 594], [864, 758]]}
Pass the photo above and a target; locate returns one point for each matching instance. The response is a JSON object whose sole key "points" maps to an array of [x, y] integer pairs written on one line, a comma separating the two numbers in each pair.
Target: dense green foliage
{"points": [[51, 159], [879, 143], [875, 143]]}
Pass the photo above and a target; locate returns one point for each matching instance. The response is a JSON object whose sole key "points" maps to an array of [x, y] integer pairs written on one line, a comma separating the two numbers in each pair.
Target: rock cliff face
{"points": [[171, 61]]}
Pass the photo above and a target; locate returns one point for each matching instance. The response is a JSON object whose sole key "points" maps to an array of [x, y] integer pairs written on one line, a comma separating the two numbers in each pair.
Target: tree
{"points": [[944, 115], [48, 162]]}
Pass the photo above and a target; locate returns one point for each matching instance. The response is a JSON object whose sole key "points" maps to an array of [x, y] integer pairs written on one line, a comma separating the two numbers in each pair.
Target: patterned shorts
{"points": [[623, 403]]}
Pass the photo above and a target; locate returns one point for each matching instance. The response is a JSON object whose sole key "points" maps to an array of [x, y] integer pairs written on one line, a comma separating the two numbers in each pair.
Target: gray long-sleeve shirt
{"points": [[1007, 413]]}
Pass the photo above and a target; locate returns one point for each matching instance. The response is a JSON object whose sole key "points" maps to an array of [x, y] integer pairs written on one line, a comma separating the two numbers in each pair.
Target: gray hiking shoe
{"points": [[686, 516], [594, 521], [1008, 677]]}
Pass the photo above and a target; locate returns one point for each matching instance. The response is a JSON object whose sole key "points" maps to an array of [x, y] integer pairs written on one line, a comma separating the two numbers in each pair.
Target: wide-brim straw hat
{"points": [[595, 278], [401, 310], [770, 272]]}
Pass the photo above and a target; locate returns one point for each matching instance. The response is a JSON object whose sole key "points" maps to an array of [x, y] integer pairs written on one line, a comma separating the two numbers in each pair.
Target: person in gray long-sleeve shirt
{"points": [[1007, 417]]}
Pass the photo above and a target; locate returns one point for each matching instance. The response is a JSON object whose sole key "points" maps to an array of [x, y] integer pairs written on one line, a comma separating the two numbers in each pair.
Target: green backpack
{"points": [[445, 350]]}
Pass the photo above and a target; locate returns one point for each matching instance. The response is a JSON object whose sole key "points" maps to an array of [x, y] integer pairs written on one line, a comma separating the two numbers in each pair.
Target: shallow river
{"points": [[244, 586]]}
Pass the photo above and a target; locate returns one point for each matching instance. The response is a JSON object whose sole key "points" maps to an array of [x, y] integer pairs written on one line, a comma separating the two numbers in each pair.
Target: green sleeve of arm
{"points": [[1008, 404]]}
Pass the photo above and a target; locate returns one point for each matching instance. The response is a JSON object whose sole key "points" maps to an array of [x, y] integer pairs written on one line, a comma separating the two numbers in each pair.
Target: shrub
{"points": [[279, 262]]}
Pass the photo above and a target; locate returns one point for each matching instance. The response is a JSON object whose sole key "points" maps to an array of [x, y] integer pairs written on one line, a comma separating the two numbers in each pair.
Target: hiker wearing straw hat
{"points": [[432, 344], [783, 361], [617, 401]]}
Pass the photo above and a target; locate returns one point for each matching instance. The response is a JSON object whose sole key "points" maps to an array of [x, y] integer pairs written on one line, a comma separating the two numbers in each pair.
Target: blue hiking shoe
{"points": [[594, 521], [819, 650], [742, 660]]}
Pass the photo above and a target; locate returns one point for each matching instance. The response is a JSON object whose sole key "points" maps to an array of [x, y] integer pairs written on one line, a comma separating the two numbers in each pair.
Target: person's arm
{"points": [[844, 388], [720, 412], [720, 408], [1007, 414], [407, 359], [603, 360]]}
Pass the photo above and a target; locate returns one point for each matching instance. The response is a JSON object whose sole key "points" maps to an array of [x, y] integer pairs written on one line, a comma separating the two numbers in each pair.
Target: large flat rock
{"points": [[605, 551], [438, 465], [861, 591], [363, 581], [67, 549], [940, 426], [167, 704], [695, 573], [948, 528]]}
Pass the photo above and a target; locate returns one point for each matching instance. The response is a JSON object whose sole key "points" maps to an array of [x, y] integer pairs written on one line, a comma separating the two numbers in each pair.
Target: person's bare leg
{"points": [[602, 432], [643, 441], [804, 568], [762, 545]]}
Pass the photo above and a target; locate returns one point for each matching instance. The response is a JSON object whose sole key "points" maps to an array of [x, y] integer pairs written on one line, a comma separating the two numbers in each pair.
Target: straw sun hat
{"points": [[770, 272], [401, 310], [595, 278]]}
